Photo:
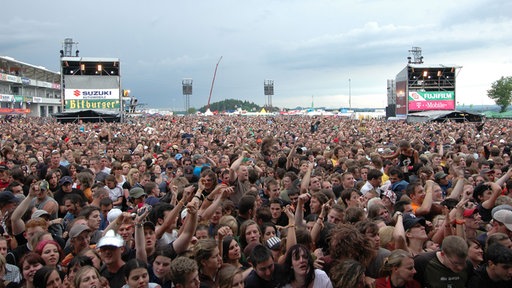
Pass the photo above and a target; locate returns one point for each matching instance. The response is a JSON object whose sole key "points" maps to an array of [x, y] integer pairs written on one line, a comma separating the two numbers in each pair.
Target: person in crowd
{"points": [[301, 271], [47, 277], [185, 273], [87, 277], [398, 271], [136, 275], [30, 263], [446, 267], [111, 246], [497, 272], [266, 273], [209, 261], [230, 277]]}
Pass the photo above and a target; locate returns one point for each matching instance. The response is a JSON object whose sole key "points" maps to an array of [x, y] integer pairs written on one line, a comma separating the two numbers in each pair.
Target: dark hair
{"points": [[42, 275], [260, 254], [132, 265], [374, 174], [74, 198], [497, 253], [31, 258], [347, 193], [87, 211], [80, 261], [479, 191], [294, 253], [245, 204]]}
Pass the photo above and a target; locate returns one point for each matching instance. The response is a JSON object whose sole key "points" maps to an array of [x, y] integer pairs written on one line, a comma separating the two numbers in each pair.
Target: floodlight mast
{"points": [[213, 82]]}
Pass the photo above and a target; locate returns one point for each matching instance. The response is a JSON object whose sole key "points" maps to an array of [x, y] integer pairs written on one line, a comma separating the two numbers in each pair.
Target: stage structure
{"points": [[187, 91], [90, 83], [421, 87], [268, 89]]}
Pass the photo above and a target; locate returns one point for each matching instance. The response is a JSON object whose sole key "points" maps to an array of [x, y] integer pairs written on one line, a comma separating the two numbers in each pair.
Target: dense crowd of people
{"points": [[233, 201]]}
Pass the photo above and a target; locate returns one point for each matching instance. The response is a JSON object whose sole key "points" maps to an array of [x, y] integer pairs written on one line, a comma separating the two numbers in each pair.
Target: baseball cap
{"points": [[274, 243], [505, 217], [440, 175], [470, 212], [169, 166], [113, 214], [410, 220], [486, 171], [196, 157], [137, 192], [110, 239], [8, 197], [39, 213], [501, 207], [78, 229], [44, 185], [65, 179], [178, 156]]}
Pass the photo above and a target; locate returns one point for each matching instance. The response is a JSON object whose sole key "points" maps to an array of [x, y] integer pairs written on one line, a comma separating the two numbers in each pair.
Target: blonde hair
{"points": [[386, 236], [393, 260], [229, 221]]}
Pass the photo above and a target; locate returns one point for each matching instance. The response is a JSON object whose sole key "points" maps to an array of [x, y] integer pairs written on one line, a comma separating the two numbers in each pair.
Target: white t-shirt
{"points": [[321, 280]]}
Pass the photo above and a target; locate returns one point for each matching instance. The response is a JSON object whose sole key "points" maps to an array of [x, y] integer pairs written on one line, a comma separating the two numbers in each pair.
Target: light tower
{"points": [[268, 89], [187, 91], [416, 56]]}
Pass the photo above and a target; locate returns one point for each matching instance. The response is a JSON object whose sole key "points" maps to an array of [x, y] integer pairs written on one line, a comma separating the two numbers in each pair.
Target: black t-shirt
{"points": [[430, 272], [116, 279], [481, 279], [59, 197], [15, 255], [279, 279]]}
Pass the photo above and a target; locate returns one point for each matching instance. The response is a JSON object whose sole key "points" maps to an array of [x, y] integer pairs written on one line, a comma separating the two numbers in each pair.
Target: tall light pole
{"points": [[349, 95]]}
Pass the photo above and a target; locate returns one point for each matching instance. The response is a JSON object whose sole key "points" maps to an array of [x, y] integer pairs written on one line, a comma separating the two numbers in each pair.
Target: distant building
{"points": [[26, 89]]}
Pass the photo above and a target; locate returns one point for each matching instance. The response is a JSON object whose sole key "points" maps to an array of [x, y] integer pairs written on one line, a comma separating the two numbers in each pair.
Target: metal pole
{"points": [[349, 94], [213, 82]]}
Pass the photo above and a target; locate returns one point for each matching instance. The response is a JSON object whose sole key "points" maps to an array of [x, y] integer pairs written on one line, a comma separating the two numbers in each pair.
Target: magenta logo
{"points": [[76, 93]]}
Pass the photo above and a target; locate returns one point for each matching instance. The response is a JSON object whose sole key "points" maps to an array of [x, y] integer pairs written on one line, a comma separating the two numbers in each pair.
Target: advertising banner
{"points": [[91, 99], [431, 100]]}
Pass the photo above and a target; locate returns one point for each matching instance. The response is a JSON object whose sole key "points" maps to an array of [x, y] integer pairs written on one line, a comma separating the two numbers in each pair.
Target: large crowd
{"points": [[234, 201]]}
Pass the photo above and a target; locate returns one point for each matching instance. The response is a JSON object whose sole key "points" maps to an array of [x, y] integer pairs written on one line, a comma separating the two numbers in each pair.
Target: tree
{"points": [[501, 92]]}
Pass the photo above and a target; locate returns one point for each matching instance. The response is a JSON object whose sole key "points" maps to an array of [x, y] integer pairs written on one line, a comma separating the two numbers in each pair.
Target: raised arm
{"points": [[291, 237], [426, 205], [504, 178], [299, 210], [289, 159], [304, 183], [18, 225], [459, 186], [496, 191], [234, 167], [140, 252], [181, 244], [399, 233], [319, 223]]}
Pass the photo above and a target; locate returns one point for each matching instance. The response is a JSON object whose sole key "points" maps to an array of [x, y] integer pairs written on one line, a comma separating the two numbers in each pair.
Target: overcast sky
{"points": [[309, 48]]}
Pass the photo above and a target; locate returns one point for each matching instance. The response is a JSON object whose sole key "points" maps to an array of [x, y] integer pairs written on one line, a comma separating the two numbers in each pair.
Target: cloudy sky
{"points": [[310, 48]]}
